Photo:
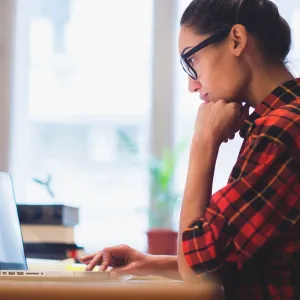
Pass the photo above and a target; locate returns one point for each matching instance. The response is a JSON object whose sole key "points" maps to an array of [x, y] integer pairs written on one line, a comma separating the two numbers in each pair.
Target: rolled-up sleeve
{"points": [[260, 202]]}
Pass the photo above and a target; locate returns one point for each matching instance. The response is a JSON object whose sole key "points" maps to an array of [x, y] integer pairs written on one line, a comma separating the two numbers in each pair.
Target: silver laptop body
{"points": [[13, 265]]}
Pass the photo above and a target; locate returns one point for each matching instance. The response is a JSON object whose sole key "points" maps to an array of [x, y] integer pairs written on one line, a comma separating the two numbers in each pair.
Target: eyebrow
{"points": [[186, 48]]}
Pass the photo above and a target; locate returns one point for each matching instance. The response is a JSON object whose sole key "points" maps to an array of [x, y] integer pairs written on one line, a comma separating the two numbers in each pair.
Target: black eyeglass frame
{"points": [[217, 37]]}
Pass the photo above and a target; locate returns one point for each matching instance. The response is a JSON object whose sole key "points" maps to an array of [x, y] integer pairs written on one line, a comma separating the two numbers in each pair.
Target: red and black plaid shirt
{"points": [[250, 232]]}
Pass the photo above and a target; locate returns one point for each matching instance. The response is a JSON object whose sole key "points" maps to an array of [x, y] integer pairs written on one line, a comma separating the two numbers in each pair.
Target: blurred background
{"points": [[91, 91]]}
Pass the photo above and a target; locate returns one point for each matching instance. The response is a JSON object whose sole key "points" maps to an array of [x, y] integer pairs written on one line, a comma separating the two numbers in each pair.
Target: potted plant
{"points": [[162, 238]]}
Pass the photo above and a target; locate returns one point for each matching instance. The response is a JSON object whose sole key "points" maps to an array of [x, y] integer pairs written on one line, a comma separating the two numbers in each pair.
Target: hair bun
{"points": [[279, 30], [272, 30]]}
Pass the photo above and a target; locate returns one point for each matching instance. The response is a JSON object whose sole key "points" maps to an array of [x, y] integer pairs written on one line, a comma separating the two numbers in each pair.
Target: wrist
{"points": [[206, 142], [165, 266]]}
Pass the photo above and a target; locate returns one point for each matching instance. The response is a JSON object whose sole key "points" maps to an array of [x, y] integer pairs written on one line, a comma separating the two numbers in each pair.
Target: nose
{"points": [[194, 85]]}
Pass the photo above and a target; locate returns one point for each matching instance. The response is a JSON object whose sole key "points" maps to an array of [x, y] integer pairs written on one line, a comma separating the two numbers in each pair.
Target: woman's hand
{"points": [[219, 121], [123, 259]]}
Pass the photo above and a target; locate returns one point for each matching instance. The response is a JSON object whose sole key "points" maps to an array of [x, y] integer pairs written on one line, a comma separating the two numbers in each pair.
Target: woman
{"points": [[247, 234]]}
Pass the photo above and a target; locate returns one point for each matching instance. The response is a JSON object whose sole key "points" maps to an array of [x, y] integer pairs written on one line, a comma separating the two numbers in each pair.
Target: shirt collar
{"points": [[282, 95]]}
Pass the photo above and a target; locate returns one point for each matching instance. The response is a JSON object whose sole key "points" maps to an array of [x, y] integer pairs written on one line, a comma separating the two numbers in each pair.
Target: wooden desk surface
{"points": [[132, 290]]}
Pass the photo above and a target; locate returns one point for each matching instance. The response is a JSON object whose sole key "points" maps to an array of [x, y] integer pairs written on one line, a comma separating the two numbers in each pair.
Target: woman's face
{"points": [[221, 73]]}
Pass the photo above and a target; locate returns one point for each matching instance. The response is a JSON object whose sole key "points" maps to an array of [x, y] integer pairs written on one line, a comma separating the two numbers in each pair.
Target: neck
{"points": [[264, 80]]}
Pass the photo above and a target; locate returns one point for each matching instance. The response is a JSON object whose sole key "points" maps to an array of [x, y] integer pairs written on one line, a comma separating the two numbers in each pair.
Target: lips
{"points": [[204, 97]]}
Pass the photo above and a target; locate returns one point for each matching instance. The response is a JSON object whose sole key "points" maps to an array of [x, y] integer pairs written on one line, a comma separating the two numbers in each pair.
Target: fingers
{"points": [[230, 138], [87, 258], [97, 260], [245, 112], [116, 256], [106, 260]]}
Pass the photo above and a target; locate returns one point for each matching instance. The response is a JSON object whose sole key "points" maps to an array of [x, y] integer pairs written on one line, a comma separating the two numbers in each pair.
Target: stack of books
{"points": [[48, 231]]}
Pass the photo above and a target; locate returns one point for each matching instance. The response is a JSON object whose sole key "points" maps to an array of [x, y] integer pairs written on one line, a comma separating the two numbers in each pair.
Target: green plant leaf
{"points": [[161, 171], [46, 184], [127, 142]]}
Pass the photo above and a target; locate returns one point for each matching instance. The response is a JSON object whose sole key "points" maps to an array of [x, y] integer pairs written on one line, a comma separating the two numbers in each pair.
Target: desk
{"points": [[132, 290]]}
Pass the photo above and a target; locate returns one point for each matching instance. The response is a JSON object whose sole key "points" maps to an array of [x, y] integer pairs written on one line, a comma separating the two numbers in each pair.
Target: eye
{"points": [[191, 61]]}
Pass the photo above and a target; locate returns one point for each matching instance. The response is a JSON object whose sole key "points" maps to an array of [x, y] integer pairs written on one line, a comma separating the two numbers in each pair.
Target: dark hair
{"points": [[260, 17]]}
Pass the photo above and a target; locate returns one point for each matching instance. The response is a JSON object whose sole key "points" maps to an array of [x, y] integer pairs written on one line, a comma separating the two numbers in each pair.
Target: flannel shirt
{"points": [[249, 234]]}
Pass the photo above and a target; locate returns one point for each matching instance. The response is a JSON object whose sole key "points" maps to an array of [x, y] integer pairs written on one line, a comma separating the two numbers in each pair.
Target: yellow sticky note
{"points": [[79, 267]]}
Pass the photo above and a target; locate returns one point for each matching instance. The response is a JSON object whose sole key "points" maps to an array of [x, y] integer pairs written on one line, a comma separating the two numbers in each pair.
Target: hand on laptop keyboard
{"points": [[123, 259]]}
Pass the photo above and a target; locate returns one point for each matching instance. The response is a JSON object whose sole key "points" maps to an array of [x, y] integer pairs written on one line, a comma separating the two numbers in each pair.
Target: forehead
{"points": [[188, 38]]}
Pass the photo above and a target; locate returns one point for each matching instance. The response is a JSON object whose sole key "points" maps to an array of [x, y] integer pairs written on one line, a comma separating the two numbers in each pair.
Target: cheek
{"points": [[235, 78], [222, 76], [210, 72], [206, 70]]}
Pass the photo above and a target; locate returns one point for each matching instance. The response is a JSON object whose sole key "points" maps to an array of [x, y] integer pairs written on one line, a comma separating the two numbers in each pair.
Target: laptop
{"points": [[13, 264]]}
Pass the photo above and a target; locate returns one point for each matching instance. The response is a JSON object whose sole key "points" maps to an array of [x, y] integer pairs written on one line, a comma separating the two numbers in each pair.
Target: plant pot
{"points": [[162, 241]]}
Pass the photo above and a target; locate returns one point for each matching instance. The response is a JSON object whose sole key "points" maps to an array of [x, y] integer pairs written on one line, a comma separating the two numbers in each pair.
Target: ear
{"points": [[238, 39]]}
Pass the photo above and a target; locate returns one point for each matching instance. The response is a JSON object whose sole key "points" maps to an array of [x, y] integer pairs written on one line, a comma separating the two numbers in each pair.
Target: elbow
{"points": [[187, 277], [186, 273]]}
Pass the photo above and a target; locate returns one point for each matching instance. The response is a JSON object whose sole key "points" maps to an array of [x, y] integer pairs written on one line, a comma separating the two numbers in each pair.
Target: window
{"points": [[89, 100]]}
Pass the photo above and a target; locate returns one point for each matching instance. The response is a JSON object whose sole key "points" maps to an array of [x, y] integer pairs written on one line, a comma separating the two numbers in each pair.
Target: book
{"points": [[48, 214], [47, 234], [52, 251]]}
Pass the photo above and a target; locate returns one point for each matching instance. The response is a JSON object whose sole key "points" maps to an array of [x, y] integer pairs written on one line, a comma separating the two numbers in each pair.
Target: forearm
{"points": [[197, 193], [165, 266]]}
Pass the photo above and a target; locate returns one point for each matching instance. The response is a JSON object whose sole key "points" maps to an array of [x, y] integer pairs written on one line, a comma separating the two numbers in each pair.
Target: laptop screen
{"points": [[11, 244]]}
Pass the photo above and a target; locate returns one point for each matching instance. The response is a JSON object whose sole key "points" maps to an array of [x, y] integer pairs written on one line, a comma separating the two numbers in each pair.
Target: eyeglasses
{"points": [[217, 37]]}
